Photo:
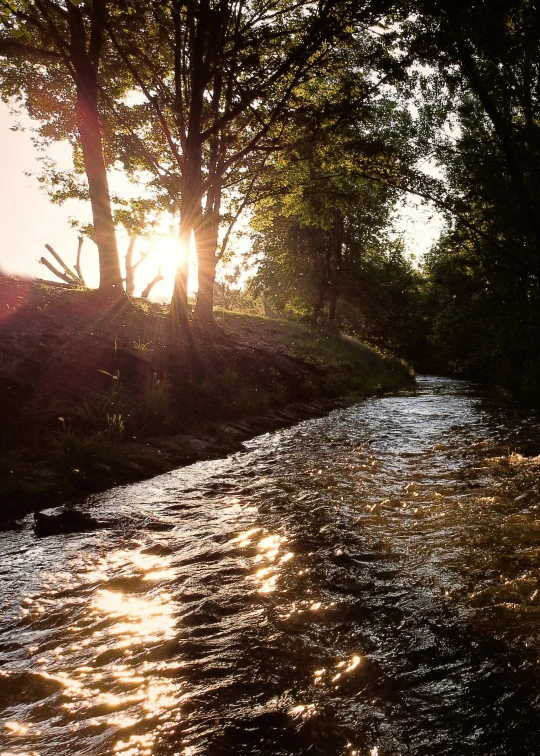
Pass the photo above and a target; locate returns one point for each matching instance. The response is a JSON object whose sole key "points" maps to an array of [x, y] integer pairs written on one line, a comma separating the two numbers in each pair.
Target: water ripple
{"points": [[366, 583]]}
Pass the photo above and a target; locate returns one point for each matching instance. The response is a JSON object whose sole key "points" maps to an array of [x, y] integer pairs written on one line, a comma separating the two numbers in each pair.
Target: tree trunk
{"points": [[130, 268], [85, 64], [146, 291], [110, 278], [337, 237], [179, 302], [191, 201], [206, 241], [78, 268], [204, 308], [319, 304]]}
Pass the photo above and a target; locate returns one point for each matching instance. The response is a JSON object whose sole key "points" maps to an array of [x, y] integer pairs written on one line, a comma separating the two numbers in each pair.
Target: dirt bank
{"points": [[92, 396]]}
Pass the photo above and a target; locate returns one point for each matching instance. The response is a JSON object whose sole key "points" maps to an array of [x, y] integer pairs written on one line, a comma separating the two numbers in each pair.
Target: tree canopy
{"points": [[314, 119]]}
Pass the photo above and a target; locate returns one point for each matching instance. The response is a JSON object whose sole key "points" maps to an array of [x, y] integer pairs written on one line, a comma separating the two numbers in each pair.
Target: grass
{"points": [[348, 361], [340, 364], [350, 366], [85, 399], [142, 346]]}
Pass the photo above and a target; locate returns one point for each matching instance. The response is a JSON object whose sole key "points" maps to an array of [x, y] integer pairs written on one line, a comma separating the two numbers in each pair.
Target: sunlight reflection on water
{"points": [[338, 588]]}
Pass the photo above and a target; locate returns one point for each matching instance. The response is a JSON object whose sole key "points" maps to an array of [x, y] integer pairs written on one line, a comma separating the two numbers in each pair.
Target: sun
{"points": [[167, 253]]}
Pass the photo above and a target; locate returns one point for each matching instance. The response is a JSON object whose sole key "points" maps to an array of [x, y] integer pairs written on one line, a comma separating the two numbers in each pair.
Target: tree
{"points": [[52, 51], [222, 79], [138, 217], [487, 57], [331, 204], [483, 276]]}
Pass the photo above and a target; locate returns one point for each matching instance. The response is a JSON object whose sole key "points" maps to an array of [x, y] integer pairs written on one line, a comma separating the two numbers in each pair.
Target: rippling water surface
{"points": [[366, 583]]}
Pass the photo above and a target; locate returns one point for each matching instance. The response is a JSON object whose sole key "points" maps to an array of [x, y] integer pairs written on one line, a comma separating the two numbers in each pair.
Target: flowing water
{"points": [[365, 583]]}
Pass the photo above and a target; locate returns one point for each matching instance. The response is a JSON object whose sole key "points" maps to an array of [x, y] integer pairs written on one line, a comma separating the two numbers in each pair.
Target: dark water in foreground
{"points": [[365, 583]]}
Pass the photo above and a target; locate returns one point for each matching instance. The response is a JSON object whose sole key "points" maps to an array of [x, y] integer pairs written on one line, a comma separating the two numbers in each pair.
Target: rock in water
{"points": [[66, 521]]}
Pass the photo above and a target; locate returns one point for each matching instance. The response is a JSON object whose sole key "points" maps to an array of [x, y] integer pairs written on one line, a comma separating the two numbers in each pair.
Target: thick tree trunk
{"points": [[110, 278], [206, 241], [191, 207], [319, 304], [179, 303], [204, 308], [337, 238], [130, 268], [84, 57]]}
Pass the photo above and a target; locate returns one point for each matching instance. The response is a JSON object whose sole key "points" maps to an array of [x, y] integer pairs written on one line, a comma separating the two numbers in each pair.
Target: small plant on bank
{"points": [[142, 346], [115, 428], [117, 400], [156, 407]]}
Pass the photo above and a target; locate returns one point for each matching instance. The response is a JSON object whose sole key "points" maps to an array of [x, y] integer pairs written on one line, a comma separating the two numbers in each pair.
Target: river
{"points": [[366, 583]]}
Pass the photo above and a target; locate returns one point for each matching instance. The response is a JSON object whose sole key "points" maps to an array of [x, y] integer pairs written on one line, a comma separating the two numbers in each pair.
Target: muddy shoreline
{"points": [[92, 398], [166, 453]]}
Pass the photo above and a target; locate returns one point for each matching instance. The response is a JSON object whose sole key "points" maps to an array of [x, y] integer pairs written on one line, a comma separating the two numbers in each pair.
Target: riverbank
{"points": [[90, 398]]}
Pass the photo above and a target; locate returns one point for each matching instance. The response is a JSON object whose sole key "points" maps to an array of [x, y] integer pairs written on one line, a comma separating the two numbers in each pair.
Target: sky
{"points": [[28, 220]]}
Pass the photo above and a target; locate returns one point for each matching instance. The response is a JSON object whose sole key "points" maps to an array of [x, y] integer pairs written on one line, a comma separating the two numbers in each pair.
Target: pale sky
{"points": [[28, 220]]}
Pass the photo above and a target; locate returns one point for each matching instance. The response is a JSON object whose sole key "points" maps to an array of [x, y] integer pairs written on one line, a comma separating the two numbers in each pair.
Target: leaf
{"points": [[20, 33]]}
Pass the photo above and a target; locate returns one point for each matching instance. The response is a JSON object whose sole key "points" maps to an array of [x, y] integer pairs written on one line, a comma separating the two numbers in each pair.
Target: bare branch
{"points": [[146, 293], [56, 272], [78, 263], [152, 100], [67, 269]]}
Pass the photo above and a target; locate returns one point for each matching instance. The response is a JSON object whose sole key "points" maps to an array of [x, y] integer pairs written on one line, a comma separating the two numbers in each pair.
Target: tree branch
{"points": [[10, 48]]}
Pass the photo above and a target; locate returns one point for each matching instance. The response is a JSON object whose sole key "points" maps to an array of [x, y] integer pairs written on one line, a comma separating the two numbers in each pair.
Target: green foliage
{"points": [[383, 302], [323, 238], [350, 365], [482, 291], [234, 394], [479, 106], [115, 428], [232, 295], [485, 321], [120, 411], [76, 448], [156, 405]]}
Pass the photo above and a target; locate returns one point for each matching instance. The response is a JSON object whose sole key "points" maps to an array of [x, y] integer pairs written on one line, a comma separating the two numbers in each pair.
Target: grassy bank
{"points": [[91, 398]]}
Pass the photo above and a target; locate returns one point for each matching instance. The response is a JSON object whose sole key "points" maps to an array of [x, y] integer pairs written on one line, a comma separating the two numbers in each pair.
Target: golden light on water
{"points": [[269, 551], [138, 702], [103, 681], [136, 745], [343, 667], [244, 539], [307, 709], [150, 619], [269, 547], [16, 728]]}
